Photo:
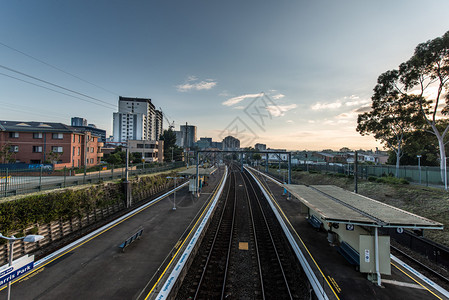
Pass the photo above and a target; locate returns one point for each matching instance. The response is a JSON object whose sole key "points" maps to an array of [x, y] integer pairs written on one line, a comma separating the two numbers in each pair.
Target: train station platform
{"points": [[338, 277], [97, 268]]}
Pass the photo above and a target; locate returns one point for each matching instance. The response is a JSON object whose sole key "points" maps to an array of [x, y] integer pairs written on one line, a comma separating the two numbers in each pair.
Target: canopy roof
{"points": [[335, 204], [201, 171]]}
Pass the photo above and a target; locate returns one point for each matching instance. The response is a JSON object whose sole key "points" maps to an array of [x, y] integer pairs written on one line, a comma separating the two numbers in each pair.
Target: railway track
{"points": [[244, 253]]}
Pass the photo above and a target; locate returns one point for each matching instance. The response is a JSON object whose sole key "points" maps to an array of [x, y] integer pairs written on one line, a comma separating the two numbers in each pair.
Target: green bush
{"points": [[19, 214], [392, 180]]}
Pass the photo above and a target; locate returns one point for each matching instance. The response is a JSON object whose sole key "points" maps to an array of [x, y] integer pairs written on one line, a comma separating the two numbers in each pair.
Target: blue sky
{"points": [[292, 74]]}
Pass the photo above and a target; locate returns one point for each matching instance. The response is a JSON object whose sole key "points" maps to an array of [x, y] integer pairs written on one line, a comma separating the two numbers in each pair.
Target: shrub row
{"points": [[19, 214]]}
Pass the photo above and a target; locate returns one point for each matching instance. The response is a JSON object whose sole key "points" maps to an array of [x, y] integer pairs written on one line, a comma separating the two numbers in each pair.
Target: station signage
{"points": [[19, 267]]}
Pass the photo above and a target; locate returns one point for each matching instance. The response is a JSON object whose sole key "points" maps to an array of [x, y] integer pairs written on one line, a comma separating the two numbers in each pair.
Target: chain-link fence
{"points": [[14, 182]]}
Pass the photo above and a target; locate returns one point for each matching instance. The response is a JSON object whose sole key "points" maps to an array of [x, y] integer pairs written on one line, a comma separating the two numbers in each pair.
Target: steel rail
{"points": [[271, 237]]}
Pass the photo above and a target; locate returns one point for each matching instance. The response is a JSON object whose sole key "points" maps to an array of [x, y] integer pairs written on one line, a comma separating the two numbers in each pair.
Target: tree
{"points": [[426, 75], [53, 157], [428, 68], [392, 116], [257, 157], [169, 138], [6, 154]]}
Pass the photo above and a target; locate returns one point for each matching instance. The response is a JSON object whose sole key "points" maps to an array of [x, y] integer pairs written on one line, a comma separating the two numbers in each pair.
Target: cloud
{"points": [[278, 96], [238, 99], [290, 121], [324, 106], [363, 109], [279, 110], [350, 101], [193, 83]]}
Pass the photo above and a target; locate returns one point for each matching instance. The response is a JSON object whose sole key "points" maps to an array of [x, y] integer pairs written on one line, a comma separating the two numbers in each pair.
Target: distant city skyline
{"points": [[288, 74]]}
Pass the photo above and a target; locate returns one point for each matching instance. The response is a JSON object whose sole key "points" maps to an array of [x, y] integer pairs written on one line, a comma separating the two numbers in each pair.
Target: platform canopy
{"points": [[201, 172], [337, 205]]}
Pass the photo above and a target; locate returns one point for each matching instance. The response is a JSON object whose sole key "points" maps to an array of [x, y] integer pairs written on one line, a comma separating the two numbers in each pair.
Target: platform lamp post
{"points": [[32, 238], [419, 167], [174, 191]]}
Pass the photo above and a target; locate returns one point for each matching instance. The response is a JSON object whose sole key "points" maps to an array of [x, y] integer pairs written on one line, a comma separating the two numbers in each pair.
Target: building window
{"points": [[79, 150], [37, 135], [57, 136], [35, 161], [14, 135], [37, 149], [91, 160], [140, 146], [74, 139], [92, 149], [56, 149], [14, 148], [73, 152]]}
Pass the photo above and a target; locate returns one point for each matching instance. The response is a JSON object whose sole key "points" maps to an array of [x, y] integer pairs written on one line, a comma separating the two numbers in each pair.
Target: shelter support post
{"points": [[376, 249], [197, 179], [289, 173], [266, 163]]}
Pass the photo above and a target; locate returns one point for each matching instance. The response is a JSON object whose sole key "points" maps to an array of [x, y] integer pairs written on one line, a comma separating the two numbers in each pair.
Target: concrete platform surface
{"points": [[98, 269], [338, 274]]}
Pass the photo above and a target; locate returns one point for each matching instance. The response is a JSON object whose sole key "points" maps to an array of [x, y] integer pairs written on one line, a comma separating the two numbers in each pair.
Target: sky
{"points": [[290, 74]]}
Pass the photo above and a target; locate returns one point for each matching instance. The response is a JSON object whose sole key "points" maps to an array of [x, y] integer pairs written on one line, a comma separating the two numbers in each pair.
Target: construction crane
{"points": [[171, 125]]}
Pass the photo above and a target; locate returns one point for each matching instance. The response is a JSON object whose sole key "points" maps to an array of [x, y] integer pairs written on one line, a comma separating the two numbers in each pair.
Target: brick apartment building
{"points": [[54, 143]]}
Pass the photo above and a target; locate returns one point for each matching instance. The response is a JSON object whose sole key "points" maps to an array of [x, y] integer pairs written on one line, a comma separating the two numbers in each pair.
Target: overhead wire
{"points": [[111, 106], [34, 110], [55, 85], [57, 68]]}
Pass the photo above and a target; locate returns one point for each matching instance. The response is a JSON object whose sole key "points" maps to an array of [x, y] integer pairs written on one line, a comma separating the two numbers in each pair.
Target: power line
{"points": [[59, 69], [31, 113], [53, 84], [47, 88], [33, 110]]}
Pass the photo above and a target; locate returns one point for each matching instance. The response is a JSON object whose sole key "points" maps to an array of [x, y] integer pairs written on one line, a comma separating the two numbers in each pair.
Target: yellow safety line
{"points": [[91, 238], [291, 226], [416, 281], [194, 226]]}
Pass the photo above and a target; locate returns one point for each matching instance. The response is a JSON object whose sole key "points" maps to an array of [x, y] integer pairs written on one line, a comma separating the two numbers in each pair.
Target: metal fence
{"points": [[429, 176], [15, 182]]}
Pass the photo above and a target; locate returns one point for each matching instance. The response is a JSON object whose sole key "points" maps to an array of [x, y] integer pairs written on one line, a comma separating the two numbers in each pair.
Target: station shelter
{"points": [[203, 176], [353, 222]]}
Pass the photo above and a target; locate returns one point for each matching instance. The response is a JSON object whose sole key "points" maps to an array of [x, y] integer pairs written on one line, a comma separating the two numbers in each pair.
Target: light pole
{"points": [[174, 192], [419, 166], [32, 238]]}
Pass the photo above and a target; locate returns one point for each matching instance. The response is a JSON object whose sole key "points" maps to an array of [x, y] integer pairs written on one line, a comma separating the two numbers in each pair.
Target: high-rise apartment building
{"points": [[136, 119], [77, 121], [188, 136], [231, 143], [158, 124]]}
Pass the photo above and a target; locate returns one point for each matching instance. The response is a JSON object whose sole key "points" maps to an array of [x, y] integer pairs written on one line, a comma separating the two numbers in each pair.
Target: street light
{"points": [[419, 166], [174, 192], [32, 238]]}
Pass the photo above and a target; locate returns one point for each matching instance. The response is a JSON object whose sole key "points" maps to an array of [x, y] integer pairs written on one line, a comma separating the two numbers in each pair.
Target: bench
{"points": [[349, 253], [315, 222], [131, 239]]}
